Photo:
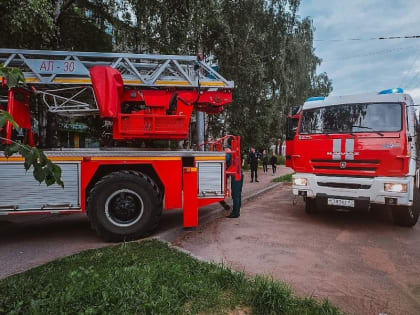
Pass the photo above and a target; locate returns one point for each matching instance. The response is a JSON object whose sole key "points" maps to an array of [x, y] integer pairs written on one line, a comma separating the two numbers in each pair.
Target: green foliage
{"points": [[5, 117], [281, 160], [270, 297], [264, 46], [63, 24], [27, 23], [13, 76], [283, 179], [145, 278], [43, 168]]}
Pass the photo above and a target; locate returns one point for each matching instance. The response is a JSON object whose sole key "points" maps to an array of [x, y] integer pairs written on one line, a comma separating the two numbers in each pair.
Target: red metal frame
{"points": [[235, 150], [155, 118], [290, 143], [169, 172], [190, 218], [18, 108]]}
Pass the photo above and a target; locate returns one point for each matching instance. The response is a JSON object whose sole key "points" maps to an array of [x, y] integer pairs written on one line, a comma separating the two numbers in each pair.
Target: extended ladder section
{"points": [[48, 67], [146, 96]]}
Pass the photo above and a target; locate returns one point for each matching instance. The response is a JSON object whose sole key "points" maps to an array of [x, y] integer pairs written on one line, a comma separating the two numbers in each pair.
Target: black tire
{"points": [[124, 206], [310, 206], [407, 215]]}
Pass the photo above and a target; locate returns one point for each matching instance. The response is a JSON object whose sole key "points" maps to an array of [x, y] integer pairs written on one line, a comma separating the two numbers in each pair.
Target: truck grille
{"points": [[351, 165], [343, 185]]}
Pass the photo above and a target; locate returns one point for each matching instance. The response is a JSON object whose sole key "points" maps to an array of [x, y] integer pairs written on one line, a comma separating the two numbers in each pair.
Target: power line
{"points": [[375, 53], [366, 39]]}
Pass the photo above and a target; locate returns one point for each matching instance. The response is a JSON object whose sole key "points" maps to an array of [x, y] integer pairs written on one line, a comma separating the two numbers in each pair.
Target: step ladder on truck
{"points": [[357, 152], [123, 191]]}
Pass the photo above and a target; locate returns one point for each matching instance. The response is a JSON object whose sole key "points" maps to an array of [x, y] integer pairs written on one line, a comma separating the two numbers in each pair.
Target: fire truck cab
{"points": [[357, 152]]}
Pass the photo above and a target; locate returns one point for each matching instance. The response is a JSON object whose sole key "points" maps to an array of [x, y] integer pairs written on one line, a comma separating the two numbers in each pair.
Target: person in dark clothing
{"points": [[265, 161], [236, 188], [273, 162], [253, 164]]}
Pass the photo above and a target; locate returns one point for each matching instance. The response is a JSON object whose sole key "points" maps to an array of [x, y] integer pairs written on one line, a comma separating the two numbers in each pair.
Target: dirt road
{"points": [[360, 261]]}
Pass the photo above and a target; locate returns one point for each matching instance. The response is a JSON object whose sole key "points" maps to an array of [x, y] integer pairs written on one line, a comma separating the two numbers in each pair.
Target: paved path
{"points": [[360, 261], [29, 241]]}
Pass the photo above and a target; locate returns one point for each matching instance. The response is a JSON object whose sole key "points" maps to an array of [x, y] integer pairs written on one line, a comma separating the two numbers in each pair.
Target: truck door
{"points": [[291, 128]]}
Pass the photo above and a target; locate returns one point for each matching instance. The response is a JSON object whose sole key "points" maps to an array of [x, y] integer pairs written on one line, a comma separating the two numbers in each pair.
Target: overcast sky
{"points": [[367, 65]]}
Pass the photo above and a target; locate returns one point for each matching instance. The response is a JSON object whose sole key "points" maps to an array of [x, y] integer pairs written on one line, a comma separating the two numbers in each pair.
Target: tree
{"points": [[263, 45]]}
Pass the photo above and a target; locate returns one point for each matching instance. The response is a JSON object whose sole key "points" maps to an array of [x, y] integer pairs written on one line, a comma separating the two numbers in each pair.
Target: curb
{"points": [[172, 234]]}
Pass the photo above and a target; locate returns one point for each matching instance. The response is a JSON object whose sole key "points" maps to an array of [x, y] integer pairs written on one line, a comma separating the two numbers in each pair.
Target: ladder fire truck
{"points": [[357, 152], [144, 96]]}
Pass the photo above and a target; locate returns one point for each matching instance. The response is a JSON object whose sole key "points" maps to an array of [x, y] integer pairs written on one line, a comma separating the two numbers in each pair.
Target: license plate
{"points": [[341, 202]]}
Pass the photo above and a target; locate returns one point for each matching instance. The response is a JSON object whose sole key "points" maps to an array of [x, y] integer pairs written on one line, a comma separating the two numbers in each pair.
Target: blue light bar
{"points": [[316, 98], [392, 91]]}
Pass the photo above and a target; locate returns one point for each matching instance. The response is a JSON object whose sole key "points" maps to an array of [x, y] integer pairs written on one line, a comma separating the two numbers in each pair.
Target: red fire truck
{"points": [[123, 190], [357, 151]]}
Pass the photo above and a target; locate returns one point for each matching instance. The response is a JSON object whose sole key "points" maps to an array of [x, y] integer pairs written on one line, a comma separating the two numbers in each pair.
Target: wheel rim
{"points": [[411, 212], [124, 208]]}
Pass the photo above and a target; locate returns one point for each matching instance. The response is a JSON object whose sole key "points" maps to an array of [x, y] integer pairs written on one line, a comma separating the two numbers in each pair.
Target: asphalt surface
{"points": [[359, 261], [29, 241]]}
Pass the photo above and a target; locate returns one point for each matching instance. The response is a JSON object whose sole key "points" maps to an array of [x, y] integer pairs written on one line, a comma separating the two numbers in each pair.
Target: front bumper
{"points": [[364, 190]]}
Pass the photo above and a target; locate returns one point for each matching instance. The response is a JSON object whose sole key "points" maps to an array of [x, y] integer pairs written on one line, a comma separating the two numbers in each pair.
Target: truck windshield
{"points": [[352, 118]]}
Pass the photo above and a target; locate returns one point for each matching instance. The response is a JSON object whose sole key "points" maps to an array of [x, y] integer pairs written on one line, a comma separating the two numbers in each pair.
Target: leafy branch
{"points": [[44, 169], [13, 76], [6, 117]]}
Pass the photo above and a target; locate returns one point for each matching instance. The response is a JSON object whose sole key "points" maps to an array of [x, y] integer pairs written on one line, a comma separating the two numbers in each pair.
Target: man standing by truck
{"points": [[236, 187]]}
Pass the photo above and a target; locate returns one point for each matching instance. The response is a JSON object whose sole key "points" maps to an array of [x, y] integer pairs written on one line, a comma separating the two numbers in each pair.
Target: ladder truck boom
{"points": [[162, 90], [50, 67], [122, 190]]}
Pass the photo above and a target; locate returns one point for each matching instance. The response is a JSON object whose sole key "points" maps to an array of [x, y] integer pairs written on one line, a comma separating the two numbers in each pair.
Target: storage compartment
{"points": [[211, 179], [19, 190]]}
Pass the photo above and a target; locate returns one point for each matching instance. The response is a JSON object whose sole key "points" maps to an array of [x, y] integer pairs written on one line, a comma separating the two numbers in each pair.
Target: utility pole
{"points": [[200, 128], [200, 115]]}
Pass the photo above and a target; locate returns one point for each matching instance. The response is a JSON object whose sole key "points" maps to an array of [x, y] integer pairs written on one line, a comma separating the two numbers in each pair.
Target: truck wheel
{"points": [[310, 206], [124, 206], [407, 215]]}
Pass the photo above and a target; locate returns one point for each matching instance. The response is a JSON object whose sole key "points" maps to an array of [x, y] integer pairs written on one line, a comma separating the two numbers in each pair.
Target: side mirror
{"points": [[291, 125]]}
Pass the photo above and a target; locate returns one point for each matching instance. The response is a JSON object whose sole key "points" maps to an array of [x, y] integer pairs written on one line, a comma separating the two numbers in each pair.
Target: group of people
{"points": [[236, 185], [253, 158]]}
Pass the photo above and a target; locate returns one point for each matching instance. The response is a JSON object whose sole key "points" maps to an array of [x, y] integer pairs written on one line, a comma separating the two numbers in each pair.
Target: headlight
{"points": [[297, 181], [395, 187]]}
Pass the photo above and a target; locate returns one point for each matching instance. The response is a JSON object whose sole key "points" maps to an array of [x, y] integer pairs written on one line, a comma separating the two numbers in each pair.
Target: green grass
{"points": [[281, 160], [145, 278], [283, 179]]}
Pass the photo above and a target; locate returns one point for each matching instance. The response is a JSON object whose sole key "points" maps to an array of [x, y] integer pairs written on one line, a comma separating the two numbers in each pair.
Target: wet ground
{"points": [[360, 261], [29, 241]]}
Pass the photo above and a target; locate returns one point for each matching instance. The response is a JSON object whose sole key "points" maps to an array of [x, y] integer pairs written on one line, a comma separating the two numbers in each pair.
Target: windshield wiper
{"points": [[322, 131], [364, 127]]}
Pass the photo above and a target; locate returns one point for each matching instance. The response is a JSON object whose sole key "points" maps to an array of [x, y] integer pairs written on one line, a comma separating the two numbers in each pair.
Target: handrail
{"points": [[235, 169]]}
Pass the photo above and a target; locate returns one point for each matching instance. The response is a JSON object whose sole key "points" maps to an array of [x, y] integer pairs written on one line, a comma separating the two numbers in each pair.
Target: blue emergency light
{"points": [[316, 98], [392, 91]]}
